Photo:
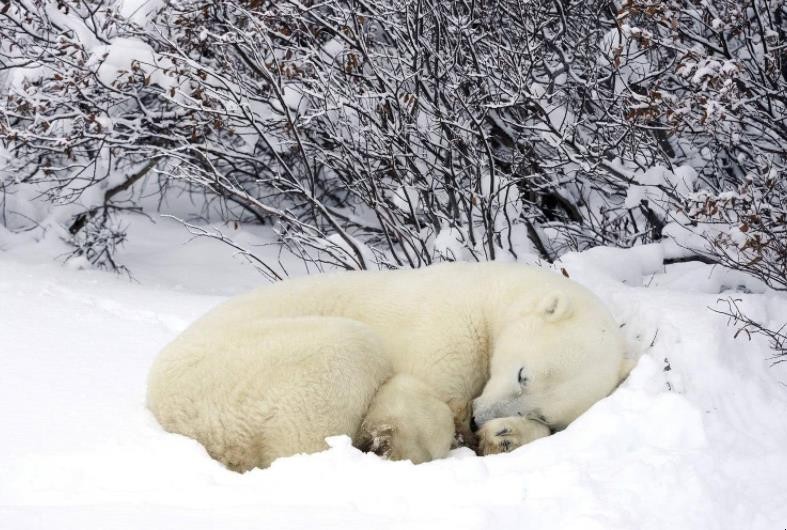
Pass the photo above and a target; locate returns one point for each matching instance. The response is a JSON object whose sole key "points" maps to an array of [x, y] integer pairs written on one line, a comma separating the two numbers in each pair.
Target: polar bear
{"points": [[402, 361]]}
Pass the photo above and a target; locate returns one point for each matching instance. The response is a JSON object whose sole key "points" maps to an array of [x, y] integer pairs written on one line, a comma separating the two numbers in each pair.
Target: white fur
{"points": [[275, 371]]}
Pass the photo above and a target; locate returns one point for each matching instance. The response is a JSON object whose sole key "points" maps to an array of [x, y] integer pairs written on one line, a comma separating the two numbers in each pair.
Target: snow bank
{"points": [[693, 439]]}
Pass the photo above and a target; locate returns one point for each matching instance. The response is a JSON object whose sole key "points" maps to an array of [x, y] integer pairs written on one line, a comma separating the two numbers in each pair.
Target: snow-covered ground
{"points": [[694, 439]]}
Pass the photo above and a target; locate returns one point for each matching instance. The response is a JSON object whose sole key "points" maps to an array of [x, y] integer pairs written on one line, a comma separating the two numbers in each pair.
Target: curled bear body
{"points": [[399, 360]]}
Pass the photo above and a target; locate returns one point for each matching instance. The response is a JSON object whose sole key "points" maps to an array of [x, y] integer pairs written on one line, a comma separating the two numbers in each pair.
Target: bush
{"points": [[396, 133]]}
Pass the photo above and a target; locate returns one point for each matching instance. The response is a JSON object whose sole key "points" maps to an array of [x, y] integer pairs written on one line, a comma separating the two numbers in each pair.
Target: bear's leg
{"points": [[252, 391], [502, 435], [407, 422]]}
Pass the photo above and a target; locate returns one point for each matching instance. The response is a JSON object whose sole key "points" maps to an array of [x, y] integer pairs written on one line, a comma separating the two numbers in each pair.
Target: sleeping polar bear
{"points": [[398, 360]]}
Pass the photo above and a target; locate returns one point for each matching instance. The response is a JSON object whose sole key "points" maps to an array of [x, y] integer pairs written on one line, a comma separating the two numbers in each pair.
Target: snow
{"points": [[650, 184], [122, 54], [449, 243], [139, 11], [693, 439]]}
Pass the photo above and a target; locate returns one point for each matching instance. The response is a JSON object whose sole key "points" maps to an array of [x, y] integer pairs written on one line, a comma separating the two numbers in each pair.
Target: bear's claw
{"points": [[501, 442]]}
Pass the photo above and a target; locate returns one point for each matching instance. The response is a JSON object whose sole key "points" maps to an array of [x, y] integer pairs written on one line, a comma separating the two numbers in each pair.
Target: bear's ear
{"points": [[554, 307]]}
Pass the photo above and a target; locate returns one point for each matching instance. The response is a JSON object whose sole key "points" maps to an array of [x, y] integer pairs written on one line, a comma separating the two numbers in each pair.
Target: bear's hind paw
{"points": [[379, 441]]}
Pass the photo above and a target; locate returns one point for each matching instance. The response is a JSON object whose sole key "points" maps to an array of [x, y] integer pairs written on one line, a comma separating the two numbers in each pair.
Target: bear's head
{"points": [[552, 359]]}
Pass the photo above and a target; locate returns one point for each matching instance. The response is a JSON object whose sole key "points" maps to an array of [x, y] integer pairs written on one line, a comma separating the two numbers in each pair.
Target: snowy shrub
{"points": [[80, 116], [716, 97], [396, 133], [379, 134]]}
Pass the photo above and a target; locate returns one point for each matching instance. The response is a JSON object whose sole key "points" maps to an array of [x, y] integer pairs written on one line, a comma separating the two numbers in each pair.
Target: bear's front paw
{"points": [[379, 440], [502, 435]]}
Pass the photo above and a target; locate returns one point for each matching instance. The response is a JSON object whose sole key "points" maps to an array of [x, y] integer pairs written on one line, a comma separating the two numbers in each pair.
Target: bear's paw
{"points": [[379, 440], [502, 435]]}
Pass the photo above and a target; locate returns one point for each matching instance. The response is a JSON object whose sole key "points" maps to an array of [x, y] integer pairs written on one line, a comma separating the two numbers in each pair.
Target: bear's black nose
{"points": [[473, 424]]}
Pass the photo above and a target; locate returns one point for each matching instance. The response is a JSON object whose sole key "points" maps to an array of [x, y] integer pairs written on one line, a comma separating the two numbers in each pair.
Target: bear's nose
{"points": [[473, 424]]}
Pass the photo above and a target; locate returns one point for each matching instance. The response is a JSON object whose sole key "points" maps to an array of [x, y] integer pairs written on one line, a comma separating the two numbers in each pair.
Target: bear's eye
{"points": [[521, 377]]}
